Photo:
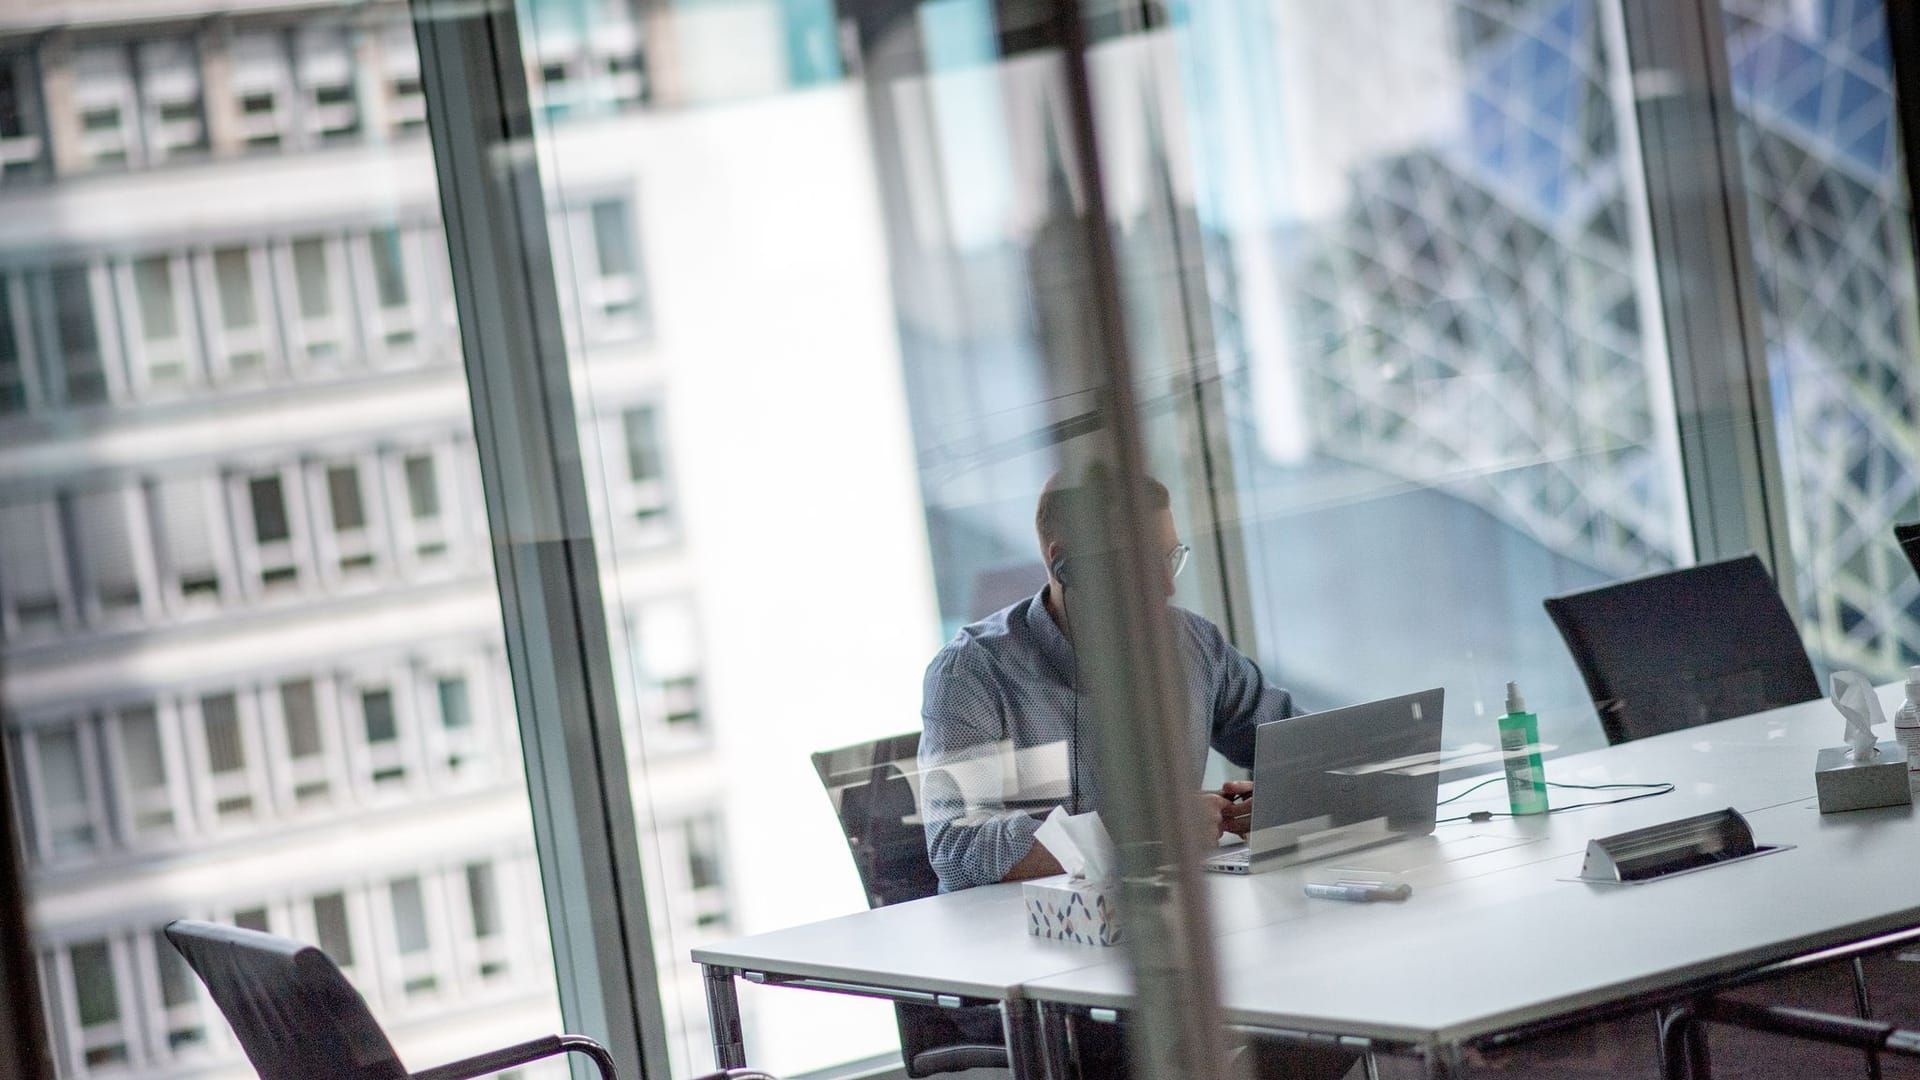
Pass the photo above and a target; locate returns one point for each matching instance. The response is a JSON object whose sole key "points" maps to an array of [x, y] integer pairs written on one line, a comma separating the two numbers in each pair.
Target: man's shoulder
{"points": [[977, 646]]}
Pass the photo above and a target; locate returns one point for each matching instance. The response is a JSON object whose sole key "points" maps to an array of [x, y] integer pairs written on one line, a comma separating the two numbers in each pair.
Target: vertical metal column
{"points": [[481, 123], [1125, 644], [1709, 290]]}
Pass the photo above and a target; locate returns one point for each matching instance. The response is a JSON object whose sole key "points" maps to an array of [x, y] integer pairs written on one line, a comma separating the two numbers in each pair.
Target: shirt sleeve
{"points": [[965, 761], [1243, 699]]}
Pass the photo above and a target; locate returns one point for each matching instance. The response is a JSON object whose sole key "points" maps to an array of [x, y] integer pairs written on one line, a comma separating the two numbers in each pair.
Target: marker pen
{"points": [[1360, 892]]}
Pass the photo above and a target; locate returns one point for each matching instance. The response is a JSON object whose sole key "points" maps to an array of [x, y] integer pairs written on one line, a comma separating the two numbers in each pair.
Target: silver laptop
{"points": [[1337, 781]]}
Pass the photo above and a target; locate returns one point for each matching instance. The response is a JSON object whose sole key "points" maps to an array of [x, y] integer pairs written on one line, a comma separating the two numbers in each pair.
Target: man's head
{"points": [[1068, 521]]}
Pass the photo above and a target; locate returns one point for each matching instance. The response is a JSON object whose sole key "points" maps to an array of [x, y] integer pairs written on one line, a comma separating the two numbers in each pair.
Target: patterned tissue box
{"points": [[1067, 910]]}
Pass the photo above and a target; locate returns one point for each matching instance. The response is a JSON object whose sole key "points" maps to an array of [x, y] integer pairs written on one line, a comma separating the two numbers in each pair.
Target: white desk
{"points": [[1492, 942]]}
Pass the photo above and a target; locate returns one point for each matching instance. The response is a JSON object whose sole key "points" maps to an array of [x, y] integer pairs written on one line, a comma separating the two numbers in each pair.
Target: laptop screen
{"points": [[1346, 778]]}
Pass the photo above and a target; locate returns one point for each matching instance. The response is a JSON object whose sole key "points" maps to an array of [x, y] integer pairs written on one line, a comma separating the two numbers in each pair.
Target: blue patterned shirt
{"points": [[1004, 739]]}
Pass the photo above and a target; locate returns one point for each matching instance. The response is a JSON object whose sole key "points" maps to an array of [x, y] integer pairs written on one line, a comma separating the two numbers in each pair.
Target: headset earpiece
{"points": [[1058, 568]]}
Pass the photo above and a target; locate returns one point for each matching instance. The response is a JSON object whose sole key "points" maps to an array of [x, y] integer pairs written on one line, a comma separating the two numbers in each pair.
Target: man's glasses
{"points": [[1177, 559]]}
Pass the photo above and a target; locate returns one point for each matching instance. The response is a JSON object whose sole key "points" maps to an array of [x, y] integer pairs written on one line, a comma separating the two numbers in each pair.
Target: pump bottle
{"points": [[1906, 721], [1520, 743]]}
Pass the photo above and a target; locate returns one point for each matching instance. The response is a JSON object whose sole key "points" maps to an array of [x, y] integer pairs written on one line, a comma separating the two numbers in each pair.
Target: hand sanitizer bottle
{"points": [[1906, 722], [1520, 741]]}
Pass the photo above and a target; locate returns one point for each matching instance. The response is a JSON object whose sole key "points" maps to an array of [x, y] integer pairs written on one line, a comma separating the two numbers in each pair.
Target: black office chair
{"points": [[298, 1018], [1687, 647], [874, 800]]}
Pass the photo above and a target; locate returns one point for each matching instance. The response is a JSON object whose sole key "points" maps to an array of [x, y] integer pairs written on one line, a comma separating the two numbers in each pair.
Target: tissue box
{"points": [[1068, 910], [1844, 785]]}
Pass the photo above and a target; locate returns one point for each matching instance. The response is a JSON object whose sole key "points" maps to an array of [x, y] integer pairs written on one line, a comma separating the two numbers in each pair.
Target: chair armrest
{"points": [[507, 1057]]}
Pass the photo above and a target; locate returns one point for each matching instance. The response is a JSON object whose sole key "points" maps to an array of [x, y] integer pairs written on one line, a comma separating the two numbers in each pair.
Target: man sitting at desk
{"points": [[1004, 738]]}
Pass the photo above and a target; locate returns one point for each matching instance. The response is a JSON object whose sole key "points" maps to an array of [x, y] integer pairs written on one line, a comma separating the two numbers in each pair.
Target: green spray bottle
{"points": [[1520, 743]]}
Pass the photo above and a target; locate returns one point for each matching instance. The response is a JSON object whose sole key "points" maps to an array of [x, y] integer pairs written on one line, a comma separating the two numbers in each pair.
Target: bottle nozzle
{"points": [[1515, 703]]}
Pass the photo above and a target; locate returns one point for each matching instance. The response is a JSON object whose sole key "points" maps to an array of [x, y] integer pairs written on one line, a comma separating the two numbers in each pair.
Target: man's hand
{"points": [[1238, 817]]}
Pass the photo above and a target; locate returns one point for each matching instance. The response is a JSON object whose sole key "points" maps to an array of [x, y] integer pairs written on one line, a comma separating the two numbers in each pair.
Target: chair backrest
{"points": [[295, 1015], [1669, 651], [1908, 536], [873, 796]]}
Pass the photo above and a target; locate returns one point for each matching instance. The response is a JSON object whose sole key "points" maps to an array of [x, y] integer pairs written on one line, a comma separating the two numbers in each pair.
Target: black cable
{"points": [[1660, 788]]}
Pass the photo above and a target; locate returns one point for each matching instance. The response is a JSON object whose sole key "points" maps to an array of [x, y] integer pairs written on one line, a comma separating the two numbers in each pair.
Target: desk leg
{"points": [[1446, 1062], [723, 1014], [1683, 1045], [1027, 1041]]}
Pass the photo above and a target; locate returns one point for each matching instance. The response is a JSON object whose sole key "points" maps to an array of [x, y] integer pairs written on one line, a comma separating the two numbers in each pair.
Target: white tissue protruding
{"points": [[1081, 845], [1853, 695]]}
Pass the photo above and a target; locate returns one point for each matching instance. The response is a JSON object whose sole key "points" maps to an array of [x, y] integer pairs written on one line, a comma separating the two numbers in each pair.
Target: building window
{"points": [[188, 522], [425, 530], [103, 523], [273, 525], [14, 396], [309, 764], [350, 543], [231, 758], [172, 116], [182, 1012], [22, 142], [396, 313], [615, 292], [97, 1007], [487, 925], [324, 66], [666, 650], [318, 332], [406, 104], [706, 879], [158, 314], [413, 945], [34, 586], [236, 287], [139, 754], [382, 730], [262, 74], [107, 104], [76, 360], [458, 738], [64, 787], [647, 497]]}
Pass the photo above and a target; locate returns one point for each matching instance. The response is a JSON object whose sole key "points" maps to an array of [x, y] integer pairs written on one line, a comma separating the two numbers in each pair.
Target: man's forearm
{"points": [[1037, 862]]}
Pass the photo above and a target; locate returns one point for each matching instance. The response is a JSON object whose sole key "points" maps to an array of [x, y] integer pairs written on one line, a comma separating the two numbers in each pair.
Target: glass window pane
{"points": [[613, 237], [300, 708], [233, 270], [253, 919], [423, 489], [376, 707], [105, 529], [343, 496], [270, 522], [389, 267], [140, 746], [330, 925], [153, 286], [455, 710], [185, 516], [220, 713], [643, 444], [310, 275], [94, 987], [77, 337], [178, 984], [483, 901], [172, 564], [1831, 220], [409, 916]]}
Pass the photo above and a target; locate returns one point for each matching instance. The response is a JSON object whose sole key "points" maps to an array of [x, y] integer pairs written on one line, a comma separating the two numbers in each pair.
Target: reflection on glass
{"points": [[188, 623], [1830, 219]]}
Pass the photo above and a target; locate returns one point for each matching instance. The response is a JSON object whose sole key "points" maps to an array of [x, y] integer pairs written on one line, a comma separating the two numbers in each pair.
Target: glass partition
{"points": [[1830, 218], [250, 644]]}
